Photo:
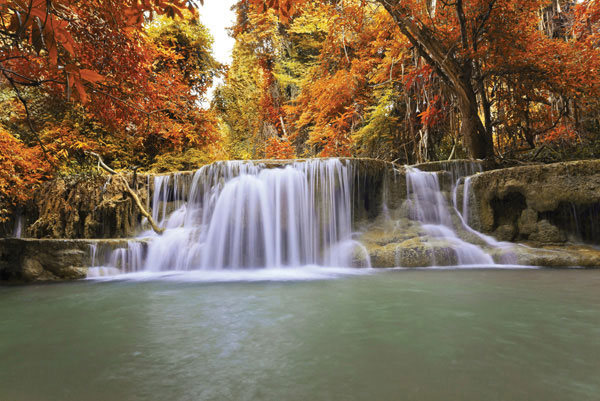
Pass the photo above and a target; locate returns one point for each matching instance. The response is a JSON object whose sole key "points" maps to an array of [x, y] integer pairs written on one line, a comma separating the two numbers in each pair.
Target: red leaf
{"points": [[90, 76]]}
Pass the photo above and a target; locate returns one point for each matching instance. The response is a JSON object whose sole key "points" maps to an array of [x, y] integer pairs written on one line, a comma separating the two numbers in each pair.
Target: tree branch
{"points": [[28, 115], [136, 198]]}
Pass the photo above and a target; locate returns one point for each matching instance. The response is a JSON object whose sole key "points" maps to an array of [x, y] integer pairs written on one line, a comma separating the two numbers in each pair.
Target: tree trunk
{"points": [[457, 74], [471, 130]]}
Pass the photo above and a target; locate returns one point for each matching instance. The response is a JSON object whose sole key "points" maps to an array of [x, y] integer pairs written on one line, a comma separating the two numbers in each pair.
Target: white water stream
{"points": [[429, 206], [245, 215], [238, 215]]}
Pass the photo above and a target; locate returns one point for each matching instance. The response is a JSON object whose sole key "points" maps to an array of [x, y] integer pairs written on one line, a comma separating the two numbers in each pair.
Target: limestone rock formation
{"points": [[82, 207], [545, 204], [552, 209], [34, 260]]}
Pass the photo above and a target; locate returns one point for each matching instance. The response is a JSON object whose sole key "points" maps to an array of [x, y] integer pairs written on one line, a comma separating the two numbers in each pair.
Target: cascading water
{"points": [[239, 215], [465, 202], [246, 215], [99, 271], [428, 205], [18, 227], [463, 213]]}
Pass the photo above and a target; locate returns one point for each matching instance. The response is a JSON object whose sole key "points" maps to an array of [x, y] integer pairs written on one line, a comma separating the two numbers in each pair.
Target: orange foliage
{"points": [[97, 51], [54, 53], [587, 21], [21, 170], [520, 80], [285, 8], [433, 115], [278, 148], [112, 87], [269, 108]]}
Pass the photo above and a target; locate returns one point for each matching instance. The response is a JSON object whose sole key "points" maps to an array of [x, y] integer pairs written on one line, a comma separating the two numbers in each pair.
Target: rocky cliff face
{"points": [[42, 260], [82, 207], [555, 208], [545, 204], [92, 207], [27, 260]]}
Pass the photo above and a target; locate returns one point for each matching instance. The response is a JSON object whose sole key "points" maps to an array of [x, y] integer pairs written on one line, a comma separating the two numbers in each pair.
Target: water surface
{"points": [[397, 335]]}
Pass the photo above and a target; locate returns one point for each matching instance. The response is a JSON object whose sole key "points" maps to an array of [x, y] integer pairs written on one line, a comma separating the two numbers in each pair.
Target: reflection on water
{"points": [[401, 335]]}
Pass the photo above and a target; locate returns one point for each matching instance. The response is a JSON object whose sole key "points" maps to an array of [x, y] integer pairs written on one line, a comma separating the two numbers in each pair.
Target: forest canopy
{"points": [[414, 80], [123, 79], [403, 80]]}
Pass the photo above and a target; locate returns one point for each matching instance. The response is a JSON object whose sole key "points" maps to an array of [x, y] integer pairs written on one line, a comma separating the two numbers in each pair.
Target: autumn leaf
{"points": [[90, 75]]}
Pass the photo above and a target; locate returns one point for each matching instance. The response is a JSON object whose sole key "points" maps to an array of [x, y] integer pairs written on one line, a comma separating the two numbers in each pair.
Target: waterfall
{"points": [[507, 255], [18, 227], [428, 206], [465, 203], [93, 255], [128, 259], [238, 215]]}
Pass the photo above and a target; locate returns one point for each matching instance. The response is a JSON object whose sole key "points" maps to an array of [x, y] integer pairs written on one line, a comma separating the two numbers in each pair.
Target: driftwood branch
{"points": [[131, 192]]}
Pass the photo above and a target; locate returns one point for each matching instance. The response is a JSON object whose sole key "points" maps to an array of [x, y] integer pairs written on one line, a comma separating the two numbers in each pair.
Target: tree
{"points": [[485, 51], [121, 78], [250, 102], [21, 167], [39, 37], [142, 80]]}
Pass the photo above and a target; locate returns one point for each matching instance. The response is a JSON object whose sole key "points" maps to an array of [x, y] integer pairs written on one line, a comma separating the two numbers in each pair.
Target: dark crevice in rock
{"points": [[578, 222], [368, 194], [507, 211]]}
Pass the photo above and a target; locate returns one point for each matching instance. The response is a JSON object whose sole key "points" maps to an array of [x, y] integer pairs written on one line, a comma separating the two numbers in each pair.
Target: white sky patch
{"points": [[217, 16]]}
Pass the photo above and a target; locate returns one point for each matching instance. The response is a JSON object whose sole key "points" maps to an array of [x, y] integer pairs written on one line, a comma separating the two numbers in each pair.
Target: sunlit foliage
{"points": [[124, 79], [421, 80]]}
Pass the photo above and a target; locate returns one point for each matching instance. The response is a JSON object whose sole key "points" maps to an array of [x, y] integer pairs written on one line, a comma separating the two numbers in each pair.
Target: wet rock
{"points": [[32, 260], [32, 269], [505, 232], [360, 257], [457, 168], [527, 223], [414, 252], [558, 256], [547, 233], [392, 232], [423, 255], [524, 197], [43, 260]]}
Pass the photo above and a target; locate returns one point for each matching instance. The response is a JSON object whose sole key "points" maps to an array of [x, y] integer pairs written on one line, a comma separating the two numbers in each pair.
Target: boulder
{"points": [[547, 233], [505, 232], [527, 223], [412, 253]]}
